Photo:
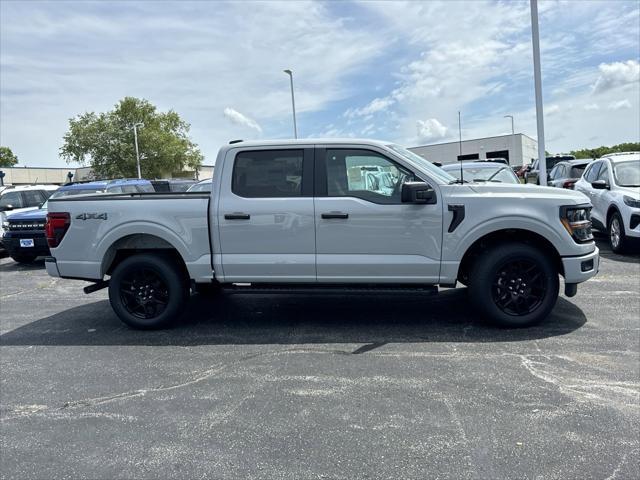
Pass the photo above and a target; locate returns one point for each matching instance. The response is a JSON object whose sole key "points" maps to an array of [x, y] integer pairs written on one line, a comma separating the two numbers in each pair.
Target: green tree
{"points": [[600, 151], [7, 157], [105, 141]]}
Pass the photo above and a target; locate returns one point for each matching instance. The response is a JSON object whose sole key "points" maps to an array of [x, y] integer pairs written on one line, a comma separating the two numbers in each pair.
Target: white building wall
{"points": [[519, 147]]}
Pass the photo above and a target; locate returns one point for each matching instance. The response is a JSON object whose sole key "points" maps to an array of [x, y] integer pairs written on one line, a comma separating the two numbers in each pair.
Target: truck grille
{"points": [[21, 226]]}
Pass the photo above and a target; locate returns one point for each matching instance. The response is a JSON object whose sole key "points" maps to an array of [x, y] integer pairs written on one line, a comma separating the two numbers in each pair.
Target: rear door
{"points": [[266, 215], [364, 233]]}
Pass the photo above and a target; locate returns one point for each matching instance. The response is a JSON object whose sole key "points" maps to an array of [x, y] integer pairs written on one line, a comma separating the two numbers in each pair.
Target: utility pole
{"points": [[537, 75], [293, 104], [135, 136]]}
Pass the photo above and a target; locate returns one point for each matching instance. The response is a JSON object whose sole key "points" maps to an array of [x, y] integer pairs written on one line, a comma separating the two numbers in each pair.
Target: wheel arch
{"points": [[613, 208], [136, 243], [494, 238]]}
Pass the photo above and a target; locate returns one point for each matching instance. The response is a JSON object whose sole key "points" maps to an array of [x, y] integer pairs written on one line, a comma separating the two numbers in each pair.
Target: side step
{"points": [[328, 289]]}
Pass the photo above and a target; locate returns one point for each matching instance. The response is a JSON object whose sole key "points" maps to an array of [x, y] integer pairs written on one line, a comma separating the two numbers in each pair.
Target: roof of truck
{"points": [[306, 141]]}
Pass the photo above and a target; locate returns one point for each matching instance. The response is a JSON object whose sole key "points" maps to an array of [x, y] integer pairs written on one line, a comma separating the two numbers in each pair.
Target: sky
{"points": [[397, 71]]}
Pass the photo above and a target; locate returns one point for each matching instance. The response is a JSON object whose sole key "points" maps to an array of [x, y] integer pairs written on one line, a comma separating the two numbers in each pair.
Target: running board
{"points": [[329, 289]]}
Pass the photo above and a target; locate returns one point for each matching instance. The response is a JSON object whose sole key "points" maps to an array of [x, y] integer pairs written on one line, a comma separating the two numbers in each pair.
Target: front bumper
{"points": [[582, 268], [11, 243]]}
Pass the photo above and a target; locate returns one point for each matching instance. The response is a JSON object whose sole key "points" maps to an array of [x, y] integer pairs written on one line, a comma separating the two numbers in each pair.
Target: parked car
{"points": [[172, 185], [566, 173], [285, 216], [14, 199], [482, 172], [532, 173], [24, 234], [201, 186], [613, 185]]}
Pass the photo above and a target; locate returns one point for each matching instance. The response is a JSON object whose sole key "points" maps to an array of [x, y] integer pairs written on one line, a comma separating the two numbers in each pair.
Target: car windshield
{"points": [[200, 187], [627, 174], [499, 173], [434, 171]]}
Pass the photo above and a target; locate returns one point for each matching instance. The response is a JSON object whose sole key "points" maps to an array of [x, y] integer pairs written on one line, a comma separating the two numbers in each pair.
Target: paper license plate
{"points": [[26, 242]]}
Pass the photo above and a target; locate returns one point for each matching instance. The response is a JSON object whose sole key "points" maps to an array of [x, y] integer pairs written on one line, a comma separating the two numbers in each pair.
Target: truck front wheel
{"points": [[148, 291], [514, 285]]}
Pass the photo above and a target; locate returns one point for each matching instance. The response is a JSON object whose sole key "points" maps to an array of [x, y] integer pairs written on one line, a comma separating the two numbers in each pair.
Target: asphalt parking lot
{"points": [[322, 387]]}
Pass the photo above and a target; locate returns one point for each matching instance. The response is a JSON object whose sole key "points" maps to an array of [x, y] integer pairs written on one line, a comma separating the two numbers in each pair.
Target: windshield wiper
{"points": [[457, 181]]}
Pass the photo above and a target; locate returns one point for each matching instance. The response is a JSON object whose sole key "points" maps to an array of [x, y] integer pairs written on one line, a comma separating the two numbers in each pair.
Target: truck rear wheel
{"points": [[514, 285], [148, 291]]}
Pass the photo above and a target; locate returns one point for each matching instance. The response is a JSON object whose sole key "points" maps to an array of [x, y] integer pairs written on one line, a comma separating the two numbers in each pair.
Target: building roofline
{"points": [[472, 140]]}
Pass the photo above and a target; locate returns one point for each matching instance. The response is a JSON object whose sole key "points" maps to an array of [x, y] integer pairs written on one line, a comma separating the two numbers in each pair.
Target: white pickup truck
{"points": [[297, 216]]}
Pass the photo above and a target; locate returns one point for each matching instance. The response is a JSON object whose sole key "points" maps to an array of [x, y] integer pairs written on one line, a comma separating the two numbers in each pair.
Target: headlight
{"points": [[632, 202], [577, 221]]}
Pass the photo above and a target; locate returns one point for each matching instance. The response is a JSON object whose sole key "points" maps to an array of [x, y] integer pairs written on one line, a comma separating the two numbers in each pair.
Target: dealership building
{"points": [[517, 149]]}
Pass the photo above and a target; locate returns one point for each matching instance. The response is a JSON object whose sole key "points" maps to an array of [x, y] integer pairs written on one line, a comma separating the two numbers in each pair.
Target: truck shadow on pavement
{"points": [[240, 319]]}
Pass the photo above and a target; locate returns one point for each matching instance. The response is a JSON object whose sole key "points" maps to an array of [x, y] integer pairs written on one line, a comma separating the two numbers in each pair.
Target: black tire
{"points": [[148, 291], [24, 258], [616, 233], [514, 285]]}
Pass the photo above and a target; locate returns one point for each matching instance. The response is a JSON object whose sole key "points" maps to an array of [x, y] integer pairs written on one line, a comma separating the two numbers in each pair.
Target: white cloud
{"points": [[617, 74], [552, 109], [620, 104], [430, 130], [240, 119], [591, 106], [376, 105]]}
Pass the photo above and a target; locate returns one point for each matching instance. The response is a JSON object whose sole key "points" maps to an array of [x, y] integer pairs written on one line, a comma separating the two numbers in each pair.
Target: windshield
{"points": [[500, 174], [627, 174], [434, 171], [200, 187]]}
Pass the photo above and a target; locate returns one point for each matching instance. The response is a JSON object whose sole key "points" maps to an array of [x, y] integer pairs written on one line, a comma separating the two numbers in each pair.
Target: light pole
{"points": [[135, 136], [293, 103], [513, 146], [512, 129], [537, 76]]}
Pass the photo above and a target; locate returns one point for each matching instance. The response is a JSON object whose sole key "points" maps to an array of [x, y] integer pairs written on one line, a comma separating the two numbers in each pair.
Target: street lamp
{"points": [[512, 129], [135, 136], [537, 77], [293, 103]]}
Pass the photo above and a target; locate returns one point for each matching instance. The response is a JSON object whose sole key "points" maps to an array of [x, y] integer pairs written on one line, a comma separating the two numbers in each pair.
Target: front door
{"points": [[266, 216], [364, 233]]}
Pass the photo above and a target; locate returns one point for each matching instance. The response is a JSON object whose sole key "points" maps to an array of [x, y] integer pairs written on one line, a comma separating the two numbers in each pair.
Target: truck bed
{"points": [[104, 223]]}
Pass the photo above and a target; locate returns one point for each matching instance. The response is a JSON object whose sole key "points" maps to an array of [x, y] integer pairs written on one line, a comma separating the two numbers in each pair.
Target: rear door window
{"points": [[268, 174], [32, 198]]}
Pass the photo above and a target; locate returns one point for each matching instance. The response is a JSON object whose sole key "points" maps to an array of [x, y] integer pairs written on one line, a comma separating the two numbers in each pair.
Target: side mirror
{"points": [[600, 185], [417, 192], [6, 208]]}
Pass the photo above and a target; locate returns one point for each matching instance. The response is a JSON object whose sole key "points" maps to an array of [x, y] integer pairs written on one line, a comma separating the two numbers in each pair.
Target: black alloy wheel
{"points": [[519, 287]]}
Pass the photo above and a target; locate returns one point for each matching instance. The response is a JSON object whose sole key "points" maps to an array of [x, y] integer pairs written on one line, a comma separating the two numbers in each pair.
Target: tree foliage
{"points": [[600, 151], [105, 141], [7, 157]]}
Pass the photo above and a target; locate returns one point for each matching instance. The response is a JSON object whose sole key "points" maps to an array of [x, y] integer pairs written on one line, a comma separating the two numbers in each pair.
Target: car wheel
{"points": [[514, 285], [617, 236], [24, 258], [148, 291]]}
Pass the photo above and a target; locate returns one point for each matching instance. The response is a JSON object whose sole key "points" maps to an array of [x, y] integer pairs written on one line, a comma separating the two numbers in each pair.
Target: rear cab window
{"points": [[269, 173]]}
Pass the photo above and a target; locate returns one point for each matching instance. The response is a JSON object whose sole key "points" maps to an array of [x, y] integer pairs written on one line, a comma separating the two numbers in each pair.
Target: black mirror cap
{"points": [[418, 192], [6, 208], [600, 184]]}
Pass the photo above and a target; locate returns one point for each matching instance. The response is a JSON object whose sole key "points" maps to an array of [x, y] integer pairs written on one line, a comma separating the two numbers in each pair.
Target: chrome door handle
{"points": [[335, 215], [237, 216]]}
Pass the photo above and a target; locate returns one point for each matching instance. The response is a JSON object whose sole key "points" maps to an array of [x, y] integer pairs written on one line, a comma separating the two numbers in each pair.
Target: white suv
{"points": [[613, 185], [22, 198]]}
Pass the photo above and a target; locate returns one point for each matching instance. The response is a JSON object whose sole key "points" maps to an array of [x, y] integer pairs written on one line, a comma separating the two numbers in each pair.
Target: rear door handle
{"points": [[237, 216], [335, 215]]}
